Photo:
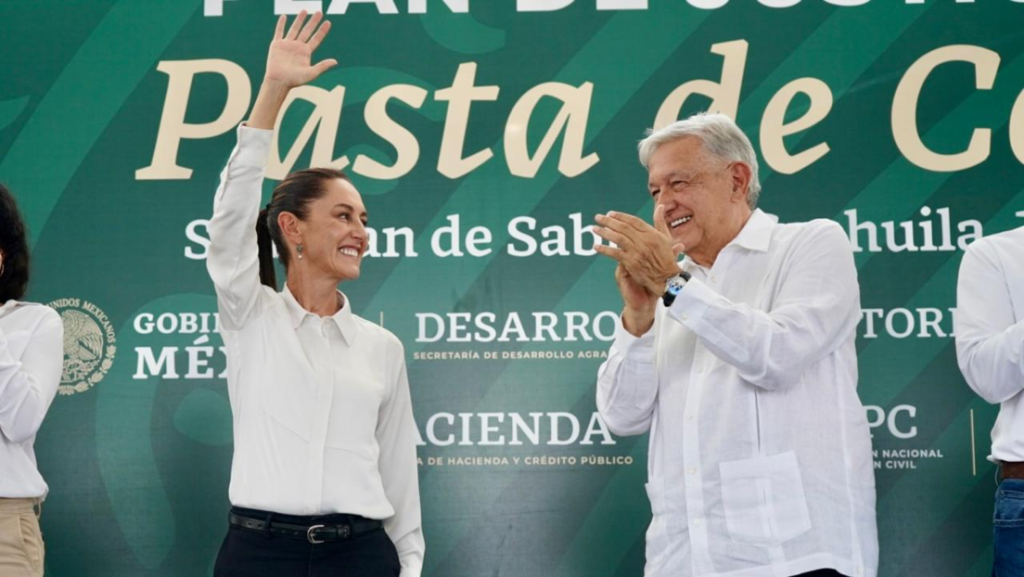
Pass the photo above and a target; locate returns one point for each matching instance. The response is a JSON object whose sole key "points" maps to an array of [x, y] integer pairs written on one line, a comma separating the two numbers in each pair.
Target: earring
{"points": [[298, 249]]}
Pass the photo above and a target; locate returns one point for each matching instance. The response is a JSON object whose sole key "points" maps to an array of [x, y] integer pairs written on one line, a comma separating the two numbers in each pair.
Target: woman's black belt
{"points": [[315, 533]]}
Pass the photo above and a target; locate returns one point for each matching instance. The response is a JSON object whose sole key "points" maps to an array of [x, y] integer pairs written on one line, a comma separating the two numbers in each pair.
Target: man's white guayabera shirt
{"points": [[760, 458]]}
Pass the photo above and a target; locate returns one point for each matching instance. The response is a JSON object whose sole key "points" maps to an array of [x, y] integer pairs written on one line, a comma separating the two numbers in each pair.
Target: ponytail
{"points": [[266, 250]]}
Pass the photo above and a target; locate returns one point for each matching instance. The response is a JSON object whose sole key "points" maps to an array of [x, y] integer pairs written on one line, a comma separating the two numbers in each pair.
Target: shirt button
{"points": [[698, 521], [693, 470], [690, 418], [714, 279], [684, 316]]}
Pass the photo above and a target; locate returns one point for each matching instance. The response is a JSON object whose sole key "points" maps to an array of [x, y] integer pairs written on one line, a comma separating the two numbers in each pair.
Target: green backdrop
{"points": [[518, 479]]}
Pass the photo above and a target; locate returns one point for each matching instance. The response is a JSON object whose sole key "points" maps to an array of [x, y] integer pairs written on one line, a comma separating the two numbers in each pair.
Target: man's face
{"points": [[705, 203]]}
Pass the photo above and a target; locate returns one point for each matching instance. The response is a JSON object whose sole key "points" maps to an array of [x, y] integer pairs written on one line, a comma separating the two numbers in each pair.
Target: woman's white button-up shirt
{"points": [[323, 420], [31, 361]]}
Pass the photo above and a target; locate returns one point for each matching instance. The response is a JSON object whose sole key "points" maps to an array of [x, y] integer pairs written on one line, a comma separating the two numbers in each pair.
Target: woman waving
{"points": [[324, 475]]}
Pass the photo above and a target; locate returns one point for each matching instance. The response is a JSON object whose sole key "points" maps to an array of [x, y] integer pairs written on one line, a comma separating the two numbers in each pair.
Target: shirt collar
{"points": [[9, 306], [344, 318], [756, 234]]}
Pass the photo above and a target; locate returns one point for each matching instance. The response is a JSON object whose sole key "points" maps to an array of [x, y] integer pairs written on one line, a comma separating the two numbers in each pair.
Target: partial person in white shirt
{"points": [[31, 362], [990, 350], [324, 477], [740, 362]]}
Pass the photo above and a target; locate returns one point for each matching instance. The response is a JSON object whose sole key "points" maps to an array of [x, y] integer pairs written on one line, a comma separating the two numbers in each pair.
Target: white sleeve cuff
{"points": [[633, 348], [253, 148], [692, 303]]}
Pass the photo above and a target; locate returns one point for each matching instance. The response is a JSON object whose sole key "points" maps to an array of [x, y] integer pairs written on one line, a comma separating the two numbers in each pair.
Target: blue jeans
{"points": [[1008, 529]]}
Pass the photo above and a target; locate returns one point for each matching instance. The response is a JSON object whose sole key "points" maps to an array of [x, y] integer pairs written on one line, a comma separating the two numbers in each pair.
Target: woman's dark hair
{"points": [[14, 246], [293, 195]]}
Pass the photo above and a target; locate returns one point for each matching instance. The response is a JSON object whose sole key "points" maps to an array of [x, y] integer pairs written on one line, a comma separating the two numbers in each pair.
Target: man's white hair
{"points": [[720, 137]]}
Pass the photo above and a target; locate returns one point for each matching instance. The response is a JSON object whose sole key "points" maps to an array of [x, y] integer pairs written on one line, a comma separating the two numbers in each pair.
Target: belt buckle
{"points": [[310, 537]]}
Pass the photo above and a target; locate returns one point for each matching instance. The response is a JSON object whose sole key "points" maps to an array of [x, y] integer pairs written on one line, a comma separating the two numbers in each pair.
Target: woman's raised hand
{"points": [[289, 62]]}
